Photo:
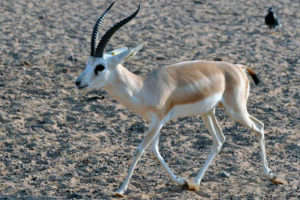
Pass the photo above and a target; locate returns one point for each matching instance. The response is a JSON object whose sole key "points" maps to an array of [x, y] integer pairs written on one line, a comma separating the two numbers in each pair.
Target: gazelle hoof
{"points": [[118, 194], [278, 182], [272, 176], [191, 185]]}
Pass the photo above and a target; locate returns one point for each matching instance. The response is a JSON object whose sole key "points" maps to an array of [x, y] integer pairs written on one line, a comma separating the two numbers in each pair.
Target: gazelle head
{"points": [[100, 67]]}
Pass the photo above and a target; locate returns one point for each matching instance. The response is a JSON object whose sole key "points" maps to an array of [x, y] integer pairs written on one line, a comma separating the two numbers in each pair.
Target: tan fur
{"points": [[183, 83]]}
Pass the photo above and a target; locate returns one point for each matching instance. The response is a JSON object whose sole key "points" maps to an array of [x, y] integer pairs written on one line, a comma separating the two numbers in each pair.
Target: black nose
{"points": [[77, 83]]}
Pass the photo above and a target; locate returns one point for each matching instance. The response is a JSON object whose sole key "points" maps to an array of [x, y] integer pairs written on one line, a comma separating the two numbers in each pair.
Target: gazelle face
{"points": [[96, 74], [100, 72], [100, 67]]}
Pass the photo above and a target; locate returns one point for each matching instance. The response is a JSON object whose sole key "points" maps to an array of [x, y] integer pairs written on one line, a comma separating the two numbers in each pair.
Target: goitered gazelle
{"points": [[184, 89]]}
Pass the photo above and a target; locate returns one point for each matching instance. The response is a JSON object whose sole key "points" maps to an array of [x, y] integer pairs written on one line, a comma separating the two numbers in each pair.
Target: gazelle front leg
{"points": [[155, 151], [154, 129], [217, 144]]}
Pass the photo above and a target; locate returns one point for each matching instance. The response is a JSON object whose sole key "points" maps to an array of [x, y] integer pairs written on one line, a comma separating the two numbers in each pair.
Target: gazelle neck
{"points": [[126, 87]]}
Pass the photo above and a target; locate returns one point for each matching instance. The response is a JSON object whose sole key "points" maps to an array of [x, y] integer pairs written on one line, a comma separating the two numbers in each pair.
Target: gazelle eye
{"points": [[99, 68]]}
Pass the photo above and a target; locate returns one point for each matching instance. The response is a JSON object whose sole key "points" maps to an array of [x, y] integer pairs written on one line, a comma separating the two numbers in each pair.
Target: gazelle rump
{"points": [[184, 89]]}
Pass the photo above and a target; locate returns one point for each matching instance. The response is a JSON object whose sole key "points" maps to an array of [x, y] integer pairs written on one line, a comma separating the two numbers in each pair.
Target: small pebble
{"points": [[70, 58], [224, 174], [25, 62]]}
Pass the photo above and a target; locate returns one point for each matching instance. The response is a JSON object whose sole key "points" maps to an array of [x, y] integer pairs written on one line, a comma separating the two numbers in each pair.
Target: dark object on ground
{"points": [[271, 20]]}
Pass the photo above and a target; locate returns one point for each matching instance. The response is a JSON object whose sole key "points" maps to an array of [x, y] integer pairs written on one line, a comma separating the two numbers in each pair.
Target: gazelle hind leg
{"points": [[247, 120], [261, 139]]}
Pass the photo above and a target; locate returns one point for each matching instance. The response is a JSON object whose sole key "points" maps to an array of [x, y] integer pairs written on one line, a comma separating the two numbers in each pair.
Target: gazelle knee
{"points": [[222, 138], [260, 129], [154, 150], [217, 147], [258, 123], [259, 135]]}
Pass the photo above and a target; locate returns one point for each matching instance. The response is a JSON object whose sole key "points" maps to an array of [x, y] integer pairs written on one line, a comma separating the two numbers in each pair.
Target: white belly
{"points": [[194, 109]]}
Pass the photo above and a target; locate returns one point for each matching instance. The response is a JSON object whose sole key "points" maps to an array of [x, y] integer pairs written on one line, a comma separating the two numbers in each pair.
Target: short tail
{"points": [[253, 76]]}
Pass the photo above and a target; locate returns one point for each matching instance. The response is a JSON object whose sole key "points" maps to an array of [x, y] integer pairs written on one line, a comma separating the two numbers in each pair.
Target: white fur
{"points": [[198, 108]]}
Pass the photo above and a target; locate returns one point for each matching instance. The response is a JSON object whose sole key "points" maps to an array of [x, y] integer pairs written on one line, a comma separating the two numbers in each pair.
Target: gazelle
{"points": [[183, 89]]}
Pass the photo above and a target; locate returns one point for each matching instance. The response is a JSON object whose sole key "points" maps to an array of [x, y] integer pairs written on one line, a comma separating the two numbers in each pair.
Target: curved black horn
{"points": [[96, 29], [111, 31]]}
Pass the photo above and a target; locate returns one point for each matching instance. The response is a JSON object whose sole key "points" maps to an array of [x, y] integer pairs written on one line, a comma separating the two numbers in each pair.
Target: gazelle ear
{"points": [[133, 52], [117, 51], [114, 60]]}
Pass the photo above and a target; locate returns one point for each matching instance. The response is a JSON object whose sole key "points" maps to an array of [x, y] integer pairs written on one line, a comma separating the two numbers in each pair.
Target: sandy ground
{"points": [[57, 144]]}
